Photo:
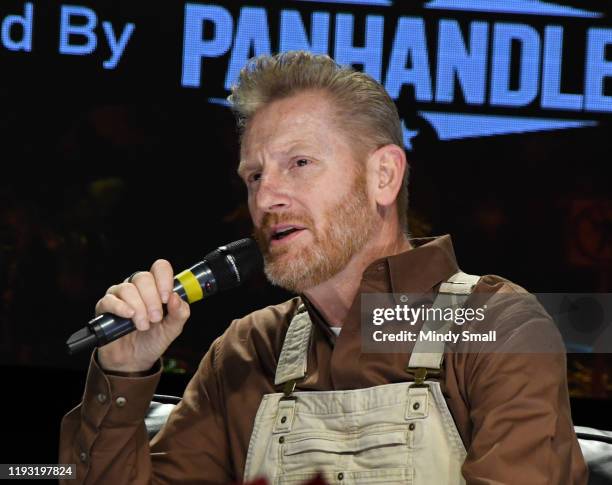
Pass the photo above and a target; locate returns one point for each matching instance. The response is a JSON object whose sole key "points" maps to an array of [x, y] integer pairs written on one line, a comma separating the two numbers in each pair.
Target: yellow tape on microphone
{"points": [[191, 285]]}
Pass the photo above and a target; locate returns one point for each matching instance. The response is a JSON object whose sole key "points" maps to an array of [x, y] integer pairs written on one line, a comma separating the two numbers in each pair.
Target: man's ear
{"points": [[388, 165]]}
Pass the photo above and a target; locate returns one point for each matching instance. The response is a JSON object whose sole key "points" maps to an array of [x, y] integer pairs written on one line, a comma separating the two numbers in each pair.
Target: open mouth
{"points": [[286, 233]]}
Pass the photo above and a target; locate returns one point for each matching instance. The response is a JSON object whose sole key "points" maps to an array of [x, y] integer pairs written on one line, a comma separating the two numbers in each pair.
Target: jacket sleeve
{"points": [[520, 410], [107, 439]]}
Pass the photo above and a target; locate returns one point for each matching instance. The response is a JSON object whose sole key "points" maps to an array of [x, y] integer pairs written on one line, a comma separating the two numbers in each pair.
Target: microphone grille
{"points": [[233, 263]]}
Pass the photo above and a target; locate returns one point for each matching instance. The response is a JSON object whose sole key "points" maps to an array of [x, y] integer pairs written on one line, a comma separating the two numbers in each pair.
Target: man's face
{"points": [[307, 193]]}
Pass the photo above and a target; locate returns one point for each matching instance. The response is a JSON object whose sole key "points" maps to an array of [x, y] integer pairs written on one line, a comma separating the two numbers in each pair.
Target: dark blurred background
{"points": [[534, 207]]}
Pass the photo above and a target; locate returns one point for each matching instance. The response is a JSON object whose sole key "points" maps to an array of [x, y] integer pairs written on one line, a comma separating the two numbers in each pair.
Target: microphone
{"points": [[224, 268]]}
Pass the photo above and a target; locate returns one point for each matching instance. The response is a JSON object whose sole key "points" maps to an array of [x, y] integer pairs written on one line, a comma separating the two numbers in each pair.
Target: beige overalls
{"points": [[393, 433]]}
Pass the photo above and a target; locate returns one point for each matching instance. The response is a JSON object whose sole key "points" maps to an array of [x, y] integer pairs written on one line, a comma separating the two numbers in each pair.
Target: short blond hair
{"points": [[368, 115]]}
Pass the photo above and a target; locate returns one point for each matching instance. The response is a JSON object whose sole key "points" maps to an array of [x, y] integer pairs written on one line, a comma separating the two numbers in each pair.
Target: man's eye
{"points": [[302, 162], [255, 177]]}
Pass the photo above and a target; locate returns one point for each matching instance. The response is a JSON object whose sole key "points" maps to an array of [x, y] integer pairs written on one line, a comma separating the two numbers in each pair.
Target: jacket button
{"points": [[416, 406], [411, 426], [83, 456], [284, 419], [281, 440], [120, 401], [340, 476], [101, 397]]}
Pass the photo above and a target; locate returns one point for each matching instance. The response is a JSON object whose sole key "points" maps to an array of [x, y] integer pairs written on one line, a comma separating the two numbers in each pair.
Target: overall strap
{"points": [[293, 359], [294, 354], [429, 355]]}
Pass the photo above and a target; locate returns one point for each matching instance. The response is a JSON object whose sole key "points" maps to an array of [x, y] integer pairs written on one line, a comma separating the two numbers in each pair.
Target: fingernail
{"points": [[165, 296], [156, 316]]}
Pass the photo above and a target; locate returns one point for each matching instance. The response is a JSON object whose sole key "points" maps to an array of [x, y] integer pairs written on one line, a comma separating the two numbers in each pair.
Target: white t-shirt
{"points": [[336, 330]]}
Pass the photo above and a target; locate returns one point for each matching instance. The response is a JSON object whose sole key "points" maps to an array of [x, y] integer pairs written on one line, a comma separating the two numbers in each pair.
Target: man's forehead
{"points": [[287, 125], [281, 143]]}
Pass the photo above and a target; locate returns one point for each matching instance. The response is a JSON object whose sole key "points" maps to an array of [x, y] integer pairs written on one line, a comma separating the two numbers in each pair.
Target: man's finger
{"points": [[130, 294], [145, 282], [109, 303], [178, 311], [164, 278]]}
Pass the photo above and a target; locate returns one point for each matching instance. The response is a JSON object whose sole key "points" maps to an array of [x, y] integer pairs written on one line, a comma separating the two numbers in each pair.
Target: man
{"points": [[326, 175]]}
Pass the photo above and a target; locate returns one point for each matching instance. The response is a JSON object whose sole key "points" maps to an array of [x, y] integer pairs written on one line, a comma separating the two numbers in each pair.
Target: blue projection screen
{"points": [[466, 68]]}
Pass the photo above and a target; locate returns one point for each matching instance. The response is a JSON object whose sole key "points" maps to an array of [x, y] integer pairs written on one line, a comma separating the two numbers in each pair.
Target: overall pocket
{"points": [[373, 454]]}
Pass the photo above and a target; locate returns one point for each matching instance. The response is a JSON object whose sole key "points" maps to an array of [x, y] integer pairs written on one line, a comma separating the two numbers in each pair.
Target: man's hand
{"points": [[141, 300]]}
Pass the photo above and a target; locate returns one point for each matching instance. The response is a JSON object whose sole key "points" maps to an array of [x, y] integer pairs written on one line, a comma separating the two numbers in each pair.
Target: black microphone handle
{"points": [[108, 327], [191, 285], [224, 268]]}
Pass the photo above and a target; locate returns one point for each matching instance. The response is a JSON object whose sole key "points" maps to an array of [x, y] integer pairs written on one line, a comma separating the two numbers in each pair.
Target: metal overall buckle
{"points": [[288, 388], [420, 375]]}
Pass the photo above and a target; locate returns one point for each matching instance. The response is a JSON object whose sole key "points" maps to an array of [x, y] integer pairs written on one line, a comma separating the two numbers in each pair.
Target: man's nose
{"points": [[272, 193]]}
